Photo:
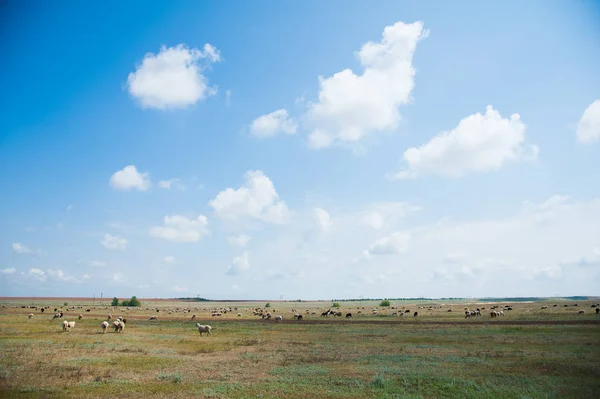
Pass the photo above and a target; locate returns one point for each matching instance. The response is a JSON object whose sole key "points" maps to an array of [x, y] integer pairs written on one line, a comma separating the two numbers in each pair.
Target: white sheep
{"points": [[278, 318], [119, 326], [65, 325], [70, 325], [203, 328], [30, 315], [104, 326]]}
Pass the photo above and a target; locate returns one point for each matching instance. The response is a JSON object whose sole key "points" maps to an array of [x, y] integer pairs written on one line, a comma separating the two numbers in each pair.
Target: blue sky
{"points": [[314, 150]]}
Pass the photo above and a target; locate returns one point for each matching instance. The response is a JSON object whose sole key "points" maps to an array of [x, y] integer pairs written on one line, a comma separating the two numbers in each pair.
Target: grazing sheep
{"points": [[56, 316], [30, 315], [348, 315], [416, 314], [203, 329], [65, 325], [118, 326], [544, 307], [70, 325], [239, 315], [278, 318], [109, 317], [581, 312], [153, 318], [193, 317], [80, 317], [104, 326]]}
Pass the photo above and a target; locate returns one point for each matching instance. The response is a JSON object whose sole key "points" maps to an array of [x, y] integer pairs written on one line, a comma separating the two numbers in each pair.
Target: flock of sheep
{"points": [[118, 325]]}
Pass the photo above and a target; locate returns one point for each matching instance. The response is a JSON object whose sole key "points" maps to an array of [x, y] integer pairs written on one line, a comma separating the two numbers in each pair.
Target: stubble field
{"points": [[529, 352]]}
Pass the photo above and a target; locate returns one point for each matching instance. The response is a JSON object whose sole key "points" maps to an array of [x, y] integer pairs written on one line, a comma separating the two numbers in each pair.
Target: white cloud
{"points": [[118, 277], [20, 248], [588, 128], [69, 207], [169, 259], [129, 178], [240, 263], [173, 78], [8, 270], [167, 184], [395, 243], [271, 124], [180, 289], [479, 143], [256, 199], [179, 228], [323, 219], [228, 98], [382, 214], [239, 241], [38, 274], [114, 243], [62, 276], [351, 106], [96, 263]]}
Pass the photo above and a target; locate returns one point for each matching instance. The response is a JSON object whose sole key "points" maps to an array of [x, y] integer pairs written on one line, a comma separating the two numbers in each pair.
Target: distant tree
{"points": [[385, 302], [132, 302], [66, 304], [115, 302], [268, 305], [335, 305]]}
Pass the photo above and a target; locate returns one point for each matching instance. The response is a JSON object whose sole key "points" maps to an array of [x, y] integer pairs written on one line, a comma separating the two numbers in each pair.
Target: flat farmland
{"points": [[528, 352]]}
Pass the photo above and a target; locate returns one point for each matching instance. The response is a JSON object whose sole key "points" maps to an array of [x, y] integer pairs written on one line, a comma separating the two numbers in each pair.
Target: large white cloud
{"points": [[173, 78], [588, 128], [129, 178], [239, 264], [114, 243], [351, 106], [393, 244], [179, 228], [480, 142], [271, 124], [255, 199]]}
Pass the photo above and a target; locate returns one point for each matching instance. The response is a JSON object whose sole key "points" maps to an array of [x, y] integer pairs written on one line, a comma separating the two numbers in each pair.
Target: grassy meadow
{"points": [[528, 353]]}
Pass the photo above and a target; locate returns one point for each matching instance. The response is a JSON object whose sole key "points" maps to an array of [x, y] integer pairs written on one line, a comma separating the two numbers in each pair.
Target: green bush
{"points": [[66, 304], [268, 305], [133, 302], [385, 302], [335, 305]]}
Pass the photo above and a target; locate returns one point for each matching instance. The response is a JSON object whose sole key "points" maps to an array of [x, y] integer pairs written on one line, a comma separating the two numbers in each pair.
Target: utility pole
{"points": [[94, 300]]}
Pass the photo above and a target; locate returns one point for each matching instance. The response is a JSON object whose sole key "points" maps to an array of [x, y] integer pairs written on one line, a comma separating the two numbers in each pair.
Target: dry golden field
{"points": [[529, 352]]}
